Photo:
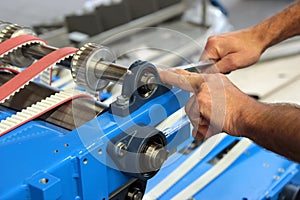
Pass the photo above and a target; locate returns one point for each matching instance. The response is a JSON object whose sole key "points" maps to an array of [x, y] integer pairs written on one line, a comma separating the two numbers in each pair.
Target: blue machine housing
{"points": [[257, 174], [43, 161]]}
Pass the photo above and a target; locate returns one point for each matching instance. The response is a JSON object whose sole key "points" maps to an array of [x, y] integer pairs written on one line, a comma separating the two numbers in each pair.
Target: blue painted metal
{"points": [[43, 161], [256, 174]]}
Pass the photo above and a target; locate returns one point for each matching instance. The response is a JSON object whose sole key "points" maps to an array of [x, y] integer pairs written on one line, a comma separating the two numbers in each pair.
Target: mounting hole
{"points": [[66, 145], [85, 161], [100, 152], [55, 151], [44, 181]]}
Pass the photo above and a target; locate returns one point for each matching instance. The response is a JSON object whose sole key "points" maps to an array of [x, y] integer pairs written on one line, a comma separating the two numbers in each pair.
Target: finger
{"points": [[204, 131], [231, 62], [179, 71], [210, 55], [193, 113], [199, 132], [211, 69], [185, 80]]}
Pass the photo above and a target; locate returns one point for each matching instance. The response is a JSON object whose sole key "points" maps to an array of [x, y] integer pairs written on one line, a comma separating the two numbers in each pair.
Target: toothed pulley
{"points": [[93, 67], [7, 31]]}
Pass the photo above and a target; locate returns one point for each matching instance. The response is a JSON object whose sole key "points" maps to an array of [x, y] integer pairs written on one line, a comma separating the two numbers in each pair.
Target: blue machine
{"points": [[256, 174], [108, 157], [119, 153], [44, 161]]}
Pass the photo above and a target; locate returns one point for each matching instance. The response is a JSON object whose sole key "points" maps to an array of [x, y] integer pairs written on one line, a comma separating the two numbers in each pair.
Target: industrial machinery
{"points": [[66, 144], [60, 143]]}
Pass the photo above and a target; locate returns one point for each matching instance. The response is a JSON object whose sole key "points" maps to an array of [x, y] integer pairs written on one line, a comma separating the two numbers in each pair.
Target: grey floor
{"points": [[242, 13]]}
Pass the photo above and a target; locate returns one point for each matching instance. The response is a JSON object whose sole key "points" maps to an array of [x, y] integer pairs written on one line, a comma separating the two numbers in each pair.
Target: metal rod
{"points": [[110, 71], [37, 51]]}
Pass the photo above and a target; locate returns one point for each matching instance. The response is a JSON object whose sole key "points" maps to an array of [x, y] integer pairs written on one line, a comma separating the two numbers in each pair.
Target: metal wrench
{"points": [[196, 67]]}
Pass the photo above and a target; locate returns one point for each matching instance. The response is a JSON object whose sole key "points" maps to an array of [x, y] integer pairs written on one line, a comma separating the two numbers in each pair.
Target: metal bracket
{"points": [[140, 86]]}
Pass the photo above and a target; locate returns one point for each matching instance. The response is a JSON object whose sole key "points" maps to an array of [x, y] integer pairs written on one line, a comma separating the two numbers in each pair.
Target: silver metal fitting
{"points": [[120, 149], [122, 100]]}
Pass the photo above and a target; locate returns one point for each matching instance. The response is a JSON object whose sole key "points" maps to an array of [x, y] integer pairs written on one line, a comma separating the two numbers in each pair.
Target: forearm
{"points": [[275, 29], [273, 126]]}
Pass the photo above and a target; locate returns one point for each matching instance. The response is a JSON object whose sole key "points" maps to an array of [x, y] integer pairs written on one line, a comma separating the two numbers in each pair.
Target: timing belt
{"points": [[15, 43], [36, 110], [22, 79]]}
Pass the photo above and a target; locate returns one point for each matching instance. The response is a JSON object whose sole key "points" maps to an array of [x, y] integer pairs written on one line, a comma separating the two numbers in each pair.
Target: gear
{"points": [[7, 31], [84, 63], [12, 30]]}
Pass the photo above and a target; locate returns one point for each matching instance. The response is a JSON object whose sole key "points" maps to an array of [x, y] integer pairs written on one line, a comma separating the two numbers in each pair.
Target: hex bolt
{"points": [[120, 149], [136, 194], [122, 100]]}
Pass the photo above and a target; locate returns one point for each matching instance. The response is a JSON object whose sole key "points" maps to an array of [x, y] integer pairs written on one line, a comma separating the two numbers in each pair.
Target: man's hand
{"points": [[233, 50], [216, 104]]}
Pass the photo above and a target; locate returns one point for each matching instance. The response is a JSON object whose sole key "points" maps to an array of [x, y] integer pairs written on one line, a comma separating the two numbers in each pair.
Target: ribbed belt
{"points": [[36, 110], [19, 81], [17, 42], [23, 78]]}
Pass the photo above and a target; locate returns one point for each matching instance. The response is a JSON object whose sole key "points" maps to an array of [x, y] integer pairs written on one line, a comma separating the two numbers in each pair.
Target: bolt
{"points": [[136, 194], [155, 156], [122, 100], [281, 170], [120, 149]]}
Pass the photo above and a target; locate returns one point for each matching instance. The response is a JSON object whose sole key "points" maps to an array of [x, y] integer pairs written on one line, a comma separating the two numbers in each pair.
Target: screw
{"points": [[122, 100], [138, 196], [281, 170], [120, 149]]}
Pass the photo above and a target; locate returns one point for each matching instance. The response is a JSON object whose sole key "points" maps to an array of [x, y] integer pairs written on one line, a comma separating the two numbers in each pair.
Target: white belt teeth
{"points": [[21, 46], [11, 95], [34, 110]]}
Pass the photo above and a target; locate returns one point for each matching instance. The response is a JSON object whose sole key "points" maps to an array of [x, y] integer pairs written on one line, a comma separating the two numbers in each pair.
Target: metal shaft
{"points": [[102, 69], [38, 51], [110, 71]]}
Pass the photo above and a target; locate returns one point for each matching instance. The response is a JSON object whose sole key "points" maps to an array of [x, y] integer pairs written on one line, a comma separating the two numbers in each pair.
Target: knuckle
{"points": [[231, 62], [222, 76], [213, 38]]}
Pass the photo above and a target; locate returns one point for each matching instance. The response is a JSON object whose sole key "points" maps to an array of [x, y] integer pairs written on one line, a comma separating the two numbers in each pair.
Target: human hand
{"points": [[216, 104], [233, 50]]}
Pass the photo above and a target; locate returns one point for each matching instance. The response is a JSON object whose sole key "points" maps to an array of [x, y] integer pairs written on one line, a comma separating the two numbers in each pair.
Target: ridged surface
{"points": [[38, 109], [79, 64]]}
